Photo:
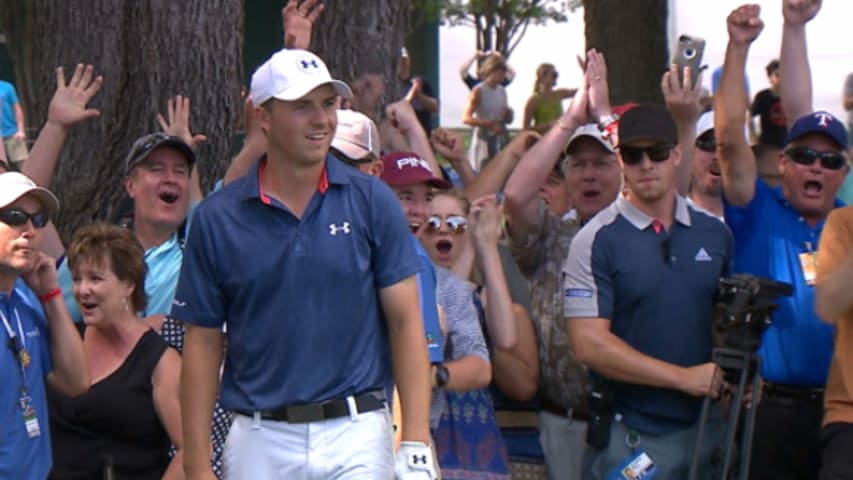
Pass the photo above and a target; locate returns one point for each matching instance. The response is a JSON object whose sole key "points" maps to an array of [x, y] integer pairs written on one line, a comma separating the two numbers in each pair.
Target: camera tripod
{"points": [[740, 367]]}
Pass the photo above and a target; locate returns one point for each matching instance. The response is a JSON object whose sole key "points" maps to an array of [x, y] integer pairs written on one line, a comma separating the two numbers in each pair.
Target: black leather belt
{"points": [[561, 411], [793, 391], [315, 412]]}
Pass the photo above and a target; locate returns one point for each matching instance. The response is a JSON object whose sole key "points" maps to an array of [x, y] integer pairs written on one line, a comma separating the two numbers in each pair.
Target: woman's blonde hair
{"points": [[490, 64], [541, 71]]}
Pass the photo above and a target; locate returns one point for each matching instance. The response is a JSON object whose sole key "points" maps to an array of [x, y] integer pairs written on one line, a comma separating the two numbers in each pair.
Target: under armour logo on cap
{"points": [[419, 459], [305, 64]]}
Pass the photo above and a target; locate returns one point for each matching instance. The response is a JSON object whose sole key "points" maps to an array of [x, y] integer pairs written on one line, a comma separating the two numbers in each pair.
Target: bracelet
{"points": [[50, 295], [607, 122]]}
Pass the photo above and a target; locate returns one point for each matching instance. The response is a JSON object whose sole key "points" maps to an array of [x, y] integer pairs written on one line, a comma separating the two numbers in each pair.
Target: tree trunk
{"points": [[633, 37], [147, 51], [355, 38]]}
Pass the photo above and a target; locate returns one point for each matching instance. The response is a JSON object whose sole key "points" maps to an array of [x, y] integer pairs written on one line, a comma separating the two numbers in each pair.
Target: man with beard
{"points": [[706, 192], [540, 242], [777, 232], [640, 282]]}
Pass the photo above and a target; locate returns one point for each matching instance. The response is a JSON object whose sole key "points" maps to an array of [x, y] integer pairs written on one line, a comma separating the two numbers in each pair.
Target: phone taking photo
{"points": [[688, 53]]}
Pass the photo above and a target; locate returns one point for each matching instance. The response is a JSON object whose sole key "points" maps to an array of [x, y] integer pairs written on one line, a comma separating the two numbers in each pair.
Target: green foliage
{"points": [[500, 24]]}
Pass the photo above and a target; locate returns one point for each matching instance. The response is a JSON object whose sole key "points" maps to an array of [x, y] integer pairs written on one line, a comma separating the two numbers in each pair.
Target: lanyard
{"points": [[12, 336]]}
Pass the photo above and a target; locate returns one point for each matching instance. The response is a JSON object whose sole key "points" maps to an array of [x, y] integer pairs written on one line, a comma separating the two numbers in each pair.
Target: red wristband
{"points": [[50, 295]]}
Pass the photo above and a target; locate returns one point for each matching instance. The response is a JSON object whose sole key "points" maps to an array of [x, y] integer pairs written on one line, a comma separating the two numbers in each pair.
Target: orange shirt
{"points": [[836, 246]]}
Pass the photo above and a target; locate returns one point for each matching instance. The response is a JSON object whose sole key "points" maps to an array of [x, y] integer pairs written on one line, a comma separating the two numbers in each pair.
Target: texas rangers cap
{"points": [[290, 74], [590, 130], [14, 185], [356, 135], [648, 122], [148, 143], [407, 168], [819, 122]]}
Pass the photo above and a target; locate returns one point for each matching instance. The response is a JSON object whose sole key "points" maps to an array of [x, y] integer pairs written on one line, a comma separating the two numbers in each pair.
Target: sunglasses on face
{"points": [[807, 156], [455, 223], [657, 153], [707, 144], [15, 217]]}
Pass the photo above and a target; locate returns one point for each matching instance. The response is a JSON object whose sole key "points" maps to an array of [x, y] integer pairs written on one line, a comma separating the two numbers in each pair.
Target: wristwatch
{"points": [[442, 375], [607, 121]]}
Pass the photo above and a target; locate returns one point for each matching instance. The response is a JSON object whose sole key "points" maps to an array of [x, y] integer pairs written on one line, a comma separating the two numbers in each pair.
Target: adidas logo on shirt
{"points": [[702, 255]]}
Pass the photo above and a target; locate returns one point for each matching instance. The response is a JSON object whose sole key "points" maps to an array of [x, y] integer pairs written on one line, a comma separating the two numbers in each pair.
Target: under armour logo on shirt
{"points": [[344, 227], [419, 459]]}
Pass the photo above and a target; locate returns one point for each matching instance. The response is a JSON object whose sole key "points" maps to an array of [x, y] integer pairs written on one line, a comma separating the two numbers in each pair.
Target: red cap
{"points": [[407, 168]]}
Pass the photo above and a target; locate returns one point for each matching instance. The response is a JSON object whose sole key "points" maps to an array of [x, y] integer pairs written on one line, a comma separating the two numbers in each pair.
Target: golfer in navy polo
{"points": [[640, 283], [310, 266]]}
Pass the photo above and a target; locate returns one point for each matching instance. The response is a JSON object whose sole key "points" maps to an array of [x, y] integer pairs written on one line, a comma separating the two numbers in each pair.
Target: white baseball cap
{"points": [[356, 135], [705, 123], [291, 74], [14, 185], [590, 130]]}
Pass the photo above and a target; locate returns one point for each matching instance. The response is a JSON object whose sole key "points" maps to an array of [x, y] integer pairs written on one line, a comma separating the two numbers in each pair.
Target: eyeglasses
{"points": [[15, 217], [457, 224], [807, 156], [707, 143], [657, 153], [369, 158]]}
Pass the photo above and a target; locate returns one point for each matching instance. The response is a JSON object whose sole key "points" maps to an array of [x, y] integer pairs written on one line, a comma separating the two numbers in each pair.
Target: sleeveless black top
{"points": [[113, 425]]}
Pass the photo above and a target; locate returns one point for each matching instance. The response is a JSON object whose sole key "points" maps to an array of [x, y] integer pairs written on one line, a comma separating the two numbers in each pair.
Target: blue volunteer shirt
{"points": [[769, 238], [21, 457], [161, 280], [300, 297], [429, 304], [8, 100], [657, 290]]}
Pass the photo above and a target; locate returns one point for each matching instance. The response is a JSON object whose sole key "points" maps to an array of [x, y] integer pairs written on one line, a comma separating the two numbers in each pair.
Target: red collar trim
{"points": [[322, 184]]}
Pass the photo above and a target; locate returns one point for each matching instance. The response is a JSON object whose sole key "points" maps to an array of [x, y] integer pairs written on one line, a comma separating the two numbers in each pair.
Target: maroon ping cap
{"points": [[407, 168]]}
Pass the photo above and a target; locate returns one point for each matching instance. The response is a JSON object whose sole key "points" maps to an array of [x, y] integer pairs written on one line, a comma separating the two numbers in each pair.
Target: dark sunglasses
{"points": [[657, 153], [369, 158], [807, 156], [455, 223], [707, 144], [16, 217]]}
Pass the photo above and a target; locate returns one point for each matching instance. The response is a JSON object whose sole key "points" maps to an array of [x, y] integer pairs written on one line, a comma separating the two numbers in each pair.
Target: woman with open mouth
{"points": [[464, 237]]}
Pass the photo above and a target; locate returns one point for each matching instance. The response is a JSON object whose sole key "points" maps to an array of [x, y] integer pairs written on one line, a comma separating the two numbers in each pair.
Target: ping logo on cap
{"points": [[413, 162]]}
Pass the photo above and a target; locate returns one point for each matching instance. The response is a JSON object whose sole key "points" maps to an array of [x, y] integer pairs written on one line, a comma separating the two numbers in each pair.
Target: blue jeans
{"points": [[671, 452]]}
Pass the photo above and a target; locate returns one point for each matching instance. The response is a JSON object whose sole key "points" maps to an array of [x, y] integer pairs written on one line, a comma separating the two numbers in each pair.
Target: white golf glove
{"points": [[414, 462]]}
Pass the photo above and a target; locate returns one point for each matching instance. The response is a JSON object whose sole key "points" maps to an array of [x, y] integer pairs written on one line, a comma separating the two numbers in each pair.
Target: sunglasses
{"points": [[457, 224], [807, 156], [657, 153], [707, 144], [16, 217], [369, 158]]}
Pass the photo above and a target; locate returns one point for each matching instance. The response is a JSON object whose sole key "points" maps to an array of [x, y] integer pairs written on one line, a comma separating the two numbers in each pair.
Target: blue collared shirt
{"points": [[769, 238], [299, 296], [21, 457]]}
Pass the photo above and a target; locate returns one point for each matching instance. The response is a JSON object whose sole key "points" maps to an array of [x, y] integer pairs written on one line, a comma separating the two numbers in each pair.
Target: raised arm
{"points": [[298, 21], [451, 147], [177, 124], [494, 175], [405, 121], [466, 65], [683, 102], [67, 109], [795, 86], [254, 145], [737, 162]]}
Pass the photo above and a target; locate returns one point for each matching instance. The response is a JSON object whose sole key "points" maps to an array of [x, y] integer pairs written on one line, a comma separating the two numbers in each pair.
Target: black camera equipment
{"points": [[742, 313]]}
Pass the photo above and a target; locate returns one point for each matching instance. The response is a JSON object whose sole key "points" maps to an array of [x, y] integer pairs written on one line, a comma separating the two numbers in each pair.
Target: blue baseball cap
{"points": [[819, 122]]}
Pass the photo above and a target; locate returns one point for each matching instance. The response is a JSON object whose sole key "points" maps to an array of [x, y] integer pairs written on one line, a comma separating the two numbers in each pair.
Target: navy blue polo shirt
{"points": [[769, 238], [300, 297], [429, 304], [657, 290]]}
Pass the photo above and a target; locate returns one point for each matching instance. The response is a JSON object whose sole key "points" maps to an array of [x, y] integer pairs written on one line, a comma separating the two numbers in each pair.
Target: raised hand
{"points": [[579, 109], [485, 220], [402, 116], [298, 21], [449, 145], [178, 123], [42, 278], [800, 12], [367, 90], [522, 142], [745, 24], [599, 91], [683, 101], [68, 105]]}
